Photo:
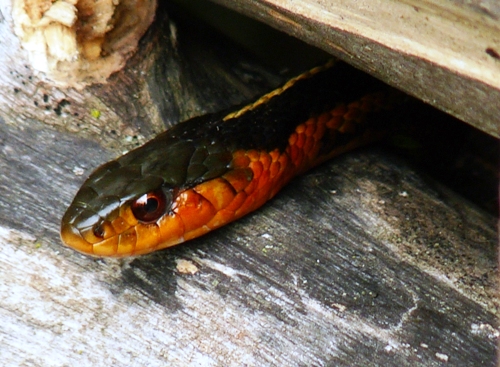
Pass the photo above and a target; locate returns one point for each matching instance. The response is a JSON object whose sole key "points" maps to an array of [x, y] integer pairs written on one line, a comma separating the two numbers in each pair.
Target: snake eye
{"points": [[149, 207]]}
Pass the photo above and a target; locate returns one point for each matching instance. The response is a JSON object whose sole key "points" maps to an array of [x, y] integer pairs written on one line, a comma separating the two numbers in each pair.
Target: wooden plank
{"points": [[361, 262], [364, 261], [443, 52]]}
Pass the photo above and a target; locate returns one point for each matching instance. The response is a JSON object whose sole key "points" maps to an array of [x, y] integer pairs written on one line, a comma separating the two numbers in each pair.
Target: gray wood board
{"points": [[364, 261], [361, 262], [418, 46]]}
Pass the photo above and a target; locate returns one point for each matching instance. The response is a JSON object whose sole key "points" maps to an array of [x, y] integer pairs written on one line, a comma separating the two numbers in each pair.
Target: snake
{"points": [[210, 170]]}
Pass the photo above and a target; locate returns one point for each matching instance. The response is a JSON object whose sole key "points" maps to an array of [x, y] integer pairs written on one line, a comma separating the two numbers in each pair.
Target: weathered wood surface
{"points": [[364, 261], [446, 53]]}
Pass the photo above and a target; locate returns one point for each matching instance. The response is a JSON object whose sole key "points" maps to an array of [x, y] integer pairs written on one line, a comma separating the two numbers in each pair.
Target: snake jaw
{"points": [[90, 233], [71, 237]]}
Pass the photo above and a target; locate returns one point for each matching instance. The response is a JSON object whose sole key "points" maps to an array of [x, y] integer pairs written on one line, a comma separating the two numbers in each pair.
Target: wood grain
{"points": [[361, 262], [443, 52]]}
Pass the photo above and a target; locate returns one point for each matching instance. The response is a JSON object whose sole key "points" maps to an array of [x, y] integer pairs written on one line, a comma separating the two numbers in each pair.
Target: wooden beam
{"points": [[445, 53]]}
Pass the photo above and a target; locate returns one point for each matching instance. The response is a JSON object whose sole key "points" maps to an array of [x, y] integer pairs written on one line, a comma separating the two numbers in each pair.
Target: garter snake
{"points": [[210, 170]]}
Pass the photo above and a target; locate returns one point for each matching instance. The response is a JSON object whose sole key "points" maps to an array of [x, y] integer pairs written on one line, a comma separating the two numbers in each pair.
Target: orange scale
{"points": [[194, 210], [284, 162], [261, 199], [251, 187], [320, 130], [311, 121], [218, 191], [300, 129], [292, 139], [128, 238], [257, 169], [127, 215], [292, 151], [296, 158], [311, 127], [127, 241], [308, 145], [109, 230], [71, 235], [265, 190], [284, 159], [275, 155], [274, 169], [335, 122], [120, 225], [264, 178], [300, 141], [299, 159], [197, 232], [106, 248], [237, 202], [239, 178], [222, 217], [246, 207], [253, 155], [273, 180], [171, 229], [266, 160], [148, 237], [313, 153], [240, 159], [277, 185]]}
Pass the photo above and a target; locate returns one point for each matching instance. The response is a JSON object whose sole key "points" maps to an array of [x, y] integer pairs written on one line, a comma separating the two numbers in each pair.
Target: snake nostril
{"points": [[98, 230]]}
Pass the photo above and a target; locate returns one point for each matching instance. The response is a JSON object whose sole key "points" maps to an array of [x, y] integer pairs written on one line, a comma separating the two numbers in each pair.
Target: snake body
{"points": [[213, 169]]}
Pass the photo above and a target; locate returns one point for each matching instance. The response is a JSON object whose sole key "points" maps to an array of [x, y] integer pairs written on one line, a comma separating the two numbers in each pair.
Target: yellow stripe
{"points": [[265, 98]]}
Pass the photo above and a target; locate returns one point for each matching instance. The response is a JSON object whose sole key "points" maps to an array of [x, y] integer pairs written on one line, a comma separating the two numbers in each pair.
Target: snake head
{"points": [[144, 200], [116, 211]]}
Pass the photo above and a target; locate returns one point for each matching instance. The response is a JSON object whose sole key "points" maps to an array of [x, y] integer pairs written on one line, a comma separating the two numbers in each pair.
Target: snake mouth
{"points": [[120, 239], [119, 235], [146, 224], [138, 240], [72, 238]]}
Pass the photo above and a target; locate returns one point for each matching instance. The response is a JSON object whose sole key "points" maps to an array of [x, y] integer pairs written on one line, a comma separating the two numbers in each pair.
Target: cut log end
{"points": [[75, 43]]}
